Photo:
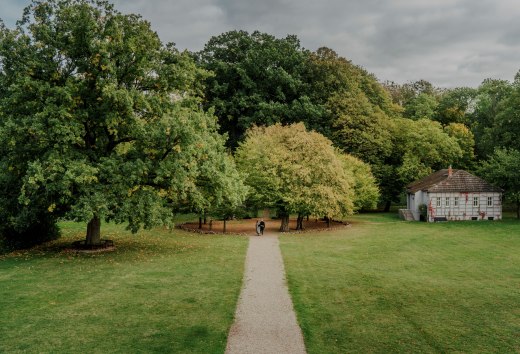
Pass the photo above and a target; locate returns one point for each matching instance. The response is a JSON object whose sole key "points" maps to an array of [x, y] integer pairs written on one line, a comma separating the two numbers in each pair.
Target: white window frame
{"points": [[438, 204], [447, 202], [456, 201], [489, 201], [475, 201]]}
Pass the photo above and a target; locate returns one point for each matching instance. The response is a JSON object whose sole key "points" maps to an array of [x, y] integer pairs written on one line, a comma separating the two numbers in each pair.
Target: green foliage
{"points": [[366, 191], [455, 105], [257, 81], [295, 171], [330, 78], [359, 114], [360, 128], [489, 103], [405, 94], [503, 170], [99, 119], [506, 129], [425, 147], [466, 142], [421, 107]]}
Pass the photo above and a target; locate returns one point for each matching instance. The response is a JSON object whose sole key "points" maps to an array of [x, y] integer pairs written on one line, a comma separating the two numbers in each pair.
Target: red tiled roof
{"points": [[460, 181]]}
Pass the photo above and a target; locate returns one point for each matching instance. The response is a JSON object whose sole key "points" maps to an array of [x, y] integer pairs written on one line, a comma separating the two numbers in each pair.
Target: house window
{"points": [[489, 201], [439, 202], [456, 201], [447, 202], [475, 201]]}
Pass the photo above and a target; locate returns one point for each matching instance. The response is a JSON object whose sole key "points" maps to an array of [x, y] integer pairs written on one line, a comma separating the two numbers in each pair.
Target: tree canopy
{"points": [[503, 170], [100, 120], [296, 171], [257, 79]]}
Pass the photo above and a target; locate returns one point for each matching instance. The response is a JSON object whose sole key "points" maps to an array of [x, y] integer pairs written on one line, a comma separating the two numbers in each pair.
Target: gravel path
{"points": [[265, 321]]}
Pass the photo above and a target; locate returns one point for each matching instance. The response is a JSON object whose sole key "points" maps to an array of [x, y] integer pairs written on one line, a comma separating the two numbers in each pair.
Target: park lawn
{"points": [[159, 291], [384, 285]]}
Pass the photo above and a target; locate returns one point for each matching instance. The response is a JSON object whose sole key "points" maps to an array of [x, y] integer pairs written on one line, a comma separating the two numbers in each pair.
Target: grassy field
{"points": [[384, 285], [159, 291]]}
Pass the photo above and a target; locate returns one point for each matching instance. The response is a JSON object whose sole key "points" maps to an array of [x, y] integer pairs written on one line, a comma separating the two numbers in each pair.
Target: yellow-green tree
{"points": [[466, 141], [295, 171], [366, 191]]}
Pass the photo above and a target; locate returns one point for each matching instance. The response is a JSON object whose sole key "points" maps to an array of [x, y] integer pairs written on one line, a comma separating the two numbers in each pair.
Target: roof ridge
{"points": [[459, 181]]}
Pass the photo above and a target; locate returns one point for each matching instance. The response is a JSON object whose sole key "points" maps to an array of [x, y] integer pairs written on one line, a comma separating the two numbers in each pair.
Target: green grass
{"points": [[384, 285], [159, 291]]}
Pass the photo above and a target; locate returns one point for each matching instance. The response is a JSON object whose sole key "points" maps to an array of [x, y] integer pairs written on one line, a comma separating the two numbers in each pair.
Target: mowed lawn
{"points": [[160, 291], [384, 285]]}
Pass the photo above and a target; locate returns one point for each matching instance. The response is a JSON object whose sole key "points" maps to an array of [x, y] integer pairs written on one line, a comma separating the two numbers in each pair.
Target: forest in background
{"points": [[101, 121]]}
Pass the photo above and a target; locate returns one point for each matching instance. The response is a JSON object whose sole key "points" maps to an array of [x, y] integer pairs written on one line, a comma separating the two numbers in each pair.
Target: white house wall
{"points": [[465, 210], [414, 200]]}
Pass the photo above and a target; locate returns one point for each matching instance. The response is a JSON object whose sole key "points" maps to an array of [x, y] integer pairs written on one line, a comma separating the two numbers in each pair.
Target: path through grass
{"points": [[384, 285], [160, 291]]}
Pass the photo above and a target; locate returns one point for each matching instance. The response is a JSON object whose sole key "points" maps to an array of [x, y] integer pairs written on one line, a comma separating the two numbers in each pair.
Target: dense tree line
{"points": [[403, 131], [99, 120]]}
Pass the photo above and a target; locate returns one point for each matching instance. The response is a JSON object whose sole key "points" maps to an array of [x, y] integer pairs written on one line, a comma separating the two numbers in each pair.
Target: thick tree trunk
{"points": [[299, 222], [387, 206], [93, 231], [307, 217], [328, 221], [200, 222], [284, 227]]}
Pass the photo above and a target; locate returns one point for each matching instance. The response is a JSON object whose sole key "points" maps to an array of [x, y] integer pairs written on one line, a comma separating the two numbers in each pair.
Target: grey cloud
{"points": [[448, 42]]}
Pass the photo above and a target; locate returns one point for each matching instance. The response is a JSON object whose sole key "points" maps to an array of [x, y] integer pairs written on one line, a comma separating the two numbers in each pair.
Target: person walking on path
{"points": [[260, 226]]}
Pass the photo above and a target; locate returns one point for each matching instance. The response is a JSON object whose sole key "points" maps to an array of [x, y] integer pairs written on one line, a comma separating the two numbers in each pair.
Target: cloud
{"points": [[448, 42]]}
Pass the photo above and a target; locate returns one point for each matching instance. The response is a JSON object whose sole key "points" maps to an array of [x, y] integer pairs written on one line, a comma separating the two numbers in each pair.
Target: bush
{"points": [[423, 212], [40, 231]]}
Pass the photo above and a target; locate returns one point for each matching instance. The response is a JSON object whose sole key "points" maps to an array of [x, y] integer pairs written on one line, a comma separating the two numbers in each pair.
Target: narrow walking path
{"points": [[265, 321]]}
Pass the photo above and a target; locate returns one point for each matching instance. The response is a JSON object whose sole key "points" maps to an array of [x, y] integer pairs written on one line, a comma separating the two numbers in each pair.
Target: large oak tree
{"points": [[99, 120]]}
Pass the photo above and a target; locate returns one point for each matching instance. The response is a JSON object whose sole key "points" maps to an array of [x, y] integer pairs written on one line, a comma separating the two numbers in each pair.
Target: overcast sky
{"points": [[447, 42]]}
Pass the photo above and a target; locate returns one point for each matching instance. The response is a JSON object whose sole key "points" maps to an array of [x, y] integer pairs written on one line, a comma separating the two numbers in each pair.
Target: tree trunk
{"points": [[307, 217], [225, 219], [328, 221], [205, 218], [200, 222], [284, 227], [93, 231], [299, 222], [518, 209], [387, 206], [210, 224]]}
